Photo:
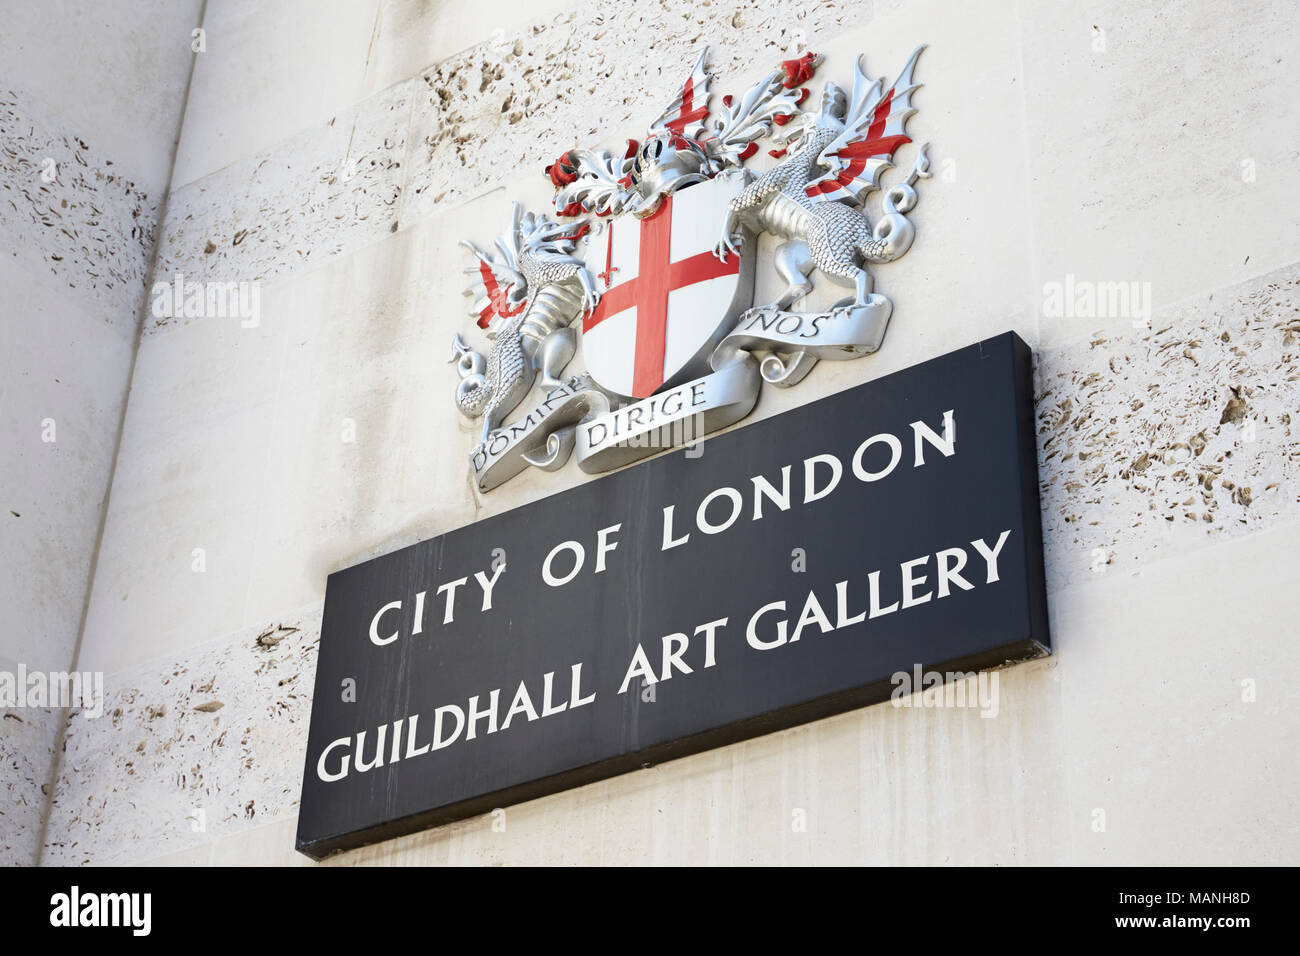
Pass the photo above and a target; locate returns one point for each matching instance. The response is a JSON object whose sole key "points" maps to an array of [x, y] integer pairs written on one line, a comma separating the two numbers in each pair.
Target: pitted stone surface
{"points": [[221, 730], [324, 192], [1154, 441], [26, 747], [89, 231]]}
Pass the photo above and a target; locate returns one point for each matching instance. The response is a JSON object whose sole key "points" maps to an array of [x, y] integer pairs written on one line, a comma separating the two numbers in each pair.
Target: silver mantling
{"points": [[767, 105], [685, 145]]}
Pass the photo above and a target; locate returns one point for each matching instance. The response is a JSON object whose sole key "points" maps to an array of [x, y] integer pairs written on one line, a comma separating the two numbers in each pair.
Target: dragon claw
{"points": [[728, 244]]}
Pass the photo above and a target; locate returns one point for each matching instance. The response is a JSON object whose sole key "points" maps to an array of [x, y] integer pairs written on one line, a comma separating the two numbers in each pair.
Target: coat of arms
{"points": [[652, 254]]}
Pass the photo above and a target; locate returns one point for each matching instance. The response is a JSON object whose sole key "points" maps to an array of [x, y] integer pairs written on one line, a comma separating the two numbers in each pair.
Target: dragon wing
{"points": [[491, 281], [875, 126], [690, 108]]}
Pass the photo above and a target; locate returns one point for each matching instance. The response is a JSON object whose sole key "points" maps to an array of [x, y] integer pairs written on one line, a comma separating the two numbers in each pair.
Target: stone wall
{"points": [[91, 96], [346, 148]]}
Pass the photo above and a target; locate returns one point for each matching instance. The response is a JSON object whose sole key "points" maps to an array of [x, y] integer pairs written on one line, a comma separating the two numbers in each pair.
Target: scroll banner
{"points": [[845, 332], [670, 419], [543, 438]]}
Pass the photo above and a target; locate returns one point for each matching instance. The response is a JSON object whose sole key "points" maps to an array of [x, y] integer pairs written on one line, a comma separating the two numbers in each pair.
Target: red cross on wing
{"points": [[875, 126]]}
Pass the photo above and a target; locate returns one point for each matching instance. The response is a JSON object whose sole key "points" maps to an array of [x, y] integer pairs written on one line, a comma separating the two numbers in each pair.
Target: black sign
{"points": [[795, 568]]}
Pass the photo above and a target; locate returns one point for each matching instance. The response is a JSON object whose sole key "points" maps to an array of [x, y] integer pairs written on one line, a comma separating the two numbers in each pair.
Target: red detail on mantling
{"points": [[748, 151], [656, 277], [803, 95], [632, 147], [780, 119], [576, 235], [496, 297], [563, 171], [800, 71], [688, 113], [572, 209], [726, 101], [875, 144], [776, 153]]}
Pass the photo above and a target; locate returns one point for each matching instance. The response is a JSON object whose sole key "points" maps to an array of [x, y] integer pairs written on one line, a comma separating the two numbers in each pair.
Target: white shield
{"points": [[669, 299]]}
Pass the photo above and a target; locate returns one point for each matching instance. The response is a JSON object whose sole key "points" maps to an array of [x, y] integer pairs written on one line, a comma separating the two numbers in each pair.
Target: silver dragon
{"points": [[812, 199], [527, 293]]}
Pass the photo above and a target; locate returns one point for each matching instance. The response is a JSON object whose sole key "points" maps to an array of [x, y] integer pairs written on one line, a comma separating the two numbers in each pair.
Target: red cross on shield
{"points": [[669, 299]]}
